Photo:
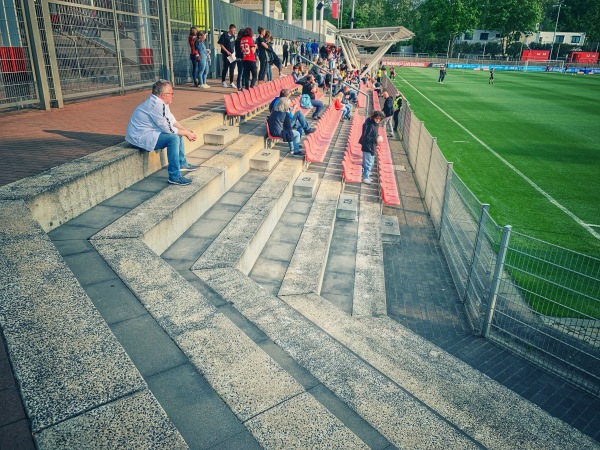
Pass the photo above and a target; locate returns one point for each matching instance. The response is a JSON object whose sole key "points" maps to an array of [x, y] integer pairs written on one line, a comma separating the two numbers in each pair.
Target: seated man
{"points": [[315, 71], [298, 120], [349, 94], [310, 88], [153, 127]]}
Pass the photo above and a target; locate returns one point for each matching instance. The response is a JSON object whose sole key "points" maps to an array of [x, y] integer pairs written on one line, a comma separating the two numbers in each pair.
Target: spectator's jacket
{"points": [[308, 89], [147, 122], [280, 124], [314, 48], [191, 41], [388, 106], [368, 138], [227, 40], [201, 50]]}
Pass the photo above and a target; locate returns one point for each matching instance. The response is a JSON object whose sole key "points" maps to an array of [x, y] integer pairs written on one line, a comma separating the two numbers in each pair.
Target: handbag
{"points": [[305, 101]]}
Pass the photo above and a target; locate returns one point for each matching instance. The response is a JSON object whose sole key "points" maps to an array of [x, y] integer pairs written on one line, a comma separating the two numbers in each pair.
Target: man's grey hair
{"points": [[159, 86], [283, 104]]}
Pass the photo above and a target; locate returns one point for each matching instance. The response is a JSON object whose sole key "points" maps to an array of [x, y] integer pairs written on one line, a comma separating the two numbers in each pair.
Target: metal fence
{"points": [[535, 298], [57, 50]]}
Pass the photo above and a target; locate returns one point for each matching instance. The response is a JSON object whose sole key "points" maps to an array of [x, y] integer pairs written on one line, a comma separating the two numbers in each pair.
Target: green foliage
{"points": [[510, 17]]}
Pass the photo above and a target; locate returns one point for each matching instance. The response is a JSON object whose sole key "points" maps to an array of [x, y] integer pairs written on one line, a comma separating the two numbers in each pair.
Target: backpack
{"points": [[305, 101]]}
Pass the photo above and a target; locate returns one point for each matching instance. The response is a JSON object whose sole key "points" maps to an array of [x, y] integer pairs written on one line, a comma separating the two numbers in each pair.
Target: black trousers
{"points": [[227, 66], [263, 69], [285, 59], [249, 68]]}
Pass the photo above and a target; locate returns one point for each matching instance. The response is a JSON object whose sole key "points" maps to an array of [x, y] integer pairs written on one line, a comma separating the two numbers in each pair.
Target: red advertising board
{"points": [[406, 63], [583, 57], [535, 55]]}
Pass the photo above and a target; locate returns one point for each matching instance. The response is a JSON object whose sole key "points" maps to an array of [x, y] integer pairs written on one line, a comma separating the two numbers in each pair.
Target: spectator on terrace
{"points": [[298, 120], [194, 55], [388, 111], [368, 141], [310, 88], [248, 48], [227, 41], [280, 124], [152, 126]]}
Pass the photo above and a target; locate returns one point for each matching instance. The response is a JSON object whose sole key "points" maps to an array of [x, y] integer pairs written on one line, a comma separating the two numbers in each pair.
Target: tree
{"points": [[511, 17], [450, 18]]}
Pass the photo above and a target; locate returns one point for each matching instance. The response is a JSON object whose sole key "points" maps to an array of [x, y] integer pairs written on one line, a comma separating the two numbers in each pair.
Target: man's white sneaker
{"points": [[233, 86], [224, 84], [367, 181], [206, 86]]}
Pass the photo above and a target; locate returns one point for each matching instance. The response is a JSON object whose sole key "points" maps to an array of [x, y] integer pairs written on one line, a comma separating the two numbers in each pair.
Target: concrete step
{"points": [[76, 381], [165, 216], [306, 185], [265, 160], [240, 243], [62, 193], [221, 135], [347, 207]]}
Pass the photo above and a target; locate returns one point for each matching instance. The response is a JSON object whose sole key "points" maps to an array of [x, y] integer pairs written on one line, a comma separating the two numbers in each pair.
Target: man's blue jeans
{"points": [[195, 69], [175, 153], [367, 164], [295, 144], [318, 104], [299, 122]]}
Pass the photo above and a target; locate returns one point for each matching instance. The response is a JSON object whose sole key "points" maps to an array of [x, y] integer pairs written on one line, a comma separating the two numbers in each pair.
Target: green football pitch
{"points": [[529, 145]]}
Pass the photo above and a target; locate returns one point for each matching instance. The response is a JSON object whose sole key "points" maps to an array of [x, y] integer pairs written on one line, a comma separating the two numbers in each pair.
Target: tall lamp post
{"points": [[560, 3]]}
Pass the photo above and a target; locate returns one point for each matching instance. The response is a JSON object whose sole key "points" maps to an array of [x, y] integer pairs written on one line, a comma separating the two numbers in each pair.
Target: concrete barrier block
{"points": [[265, 160], [306, 185], [221, 135], [348, 207]]}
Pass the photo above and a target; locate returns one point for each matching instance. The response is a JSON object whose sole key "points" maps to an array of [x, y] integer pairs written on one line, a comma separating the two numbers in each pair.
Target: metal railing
{"points": [[535, 298]]}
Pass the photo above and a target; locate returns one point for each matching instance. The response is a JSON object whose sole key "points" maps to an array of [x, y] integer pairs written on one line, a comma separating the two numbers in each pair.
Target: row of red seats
{"points": [[245, 102], [352, 162], [317, 143], [387, 177], [361, 100]]}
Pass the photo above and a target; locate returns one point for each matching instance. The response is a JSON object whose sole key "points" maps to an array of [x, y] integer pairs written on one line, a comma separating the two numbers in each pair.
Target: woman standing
{"points": [[262, 48], [248, 48], [238, 59], [268, 41], [194, 54], [203, 59], [368, 141]]}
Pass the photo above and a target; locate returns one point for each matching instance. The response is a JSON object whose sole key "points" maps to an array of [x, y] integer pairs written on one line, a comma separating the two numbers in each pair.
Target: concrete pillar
{"points": [[266, 8], [304, 14], [321, 30], [289, 11], [314, 17]]}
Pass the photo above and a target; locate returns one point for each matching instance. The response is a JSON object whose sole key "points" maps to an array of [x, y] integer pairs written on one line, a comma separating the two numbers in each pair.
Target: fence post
{"points": [[449, 171], [478, 239], [492, 297], [37, 54]]}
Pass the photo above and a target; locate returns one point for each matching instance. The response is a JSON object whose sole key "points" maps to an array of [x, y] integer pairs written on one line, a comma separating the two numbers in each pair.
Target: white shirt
{"points": [[147, 122]]}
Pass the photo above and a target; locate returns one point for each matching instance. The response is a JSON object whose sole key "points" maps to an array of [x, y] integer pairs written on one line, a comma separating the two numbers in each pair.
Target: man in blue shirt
{"points": [[152, 126]]}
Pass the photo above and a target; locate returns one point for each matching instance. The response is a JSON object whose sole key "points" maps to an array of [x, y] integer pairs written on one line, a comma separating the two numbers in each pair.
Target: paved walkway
{"points": [[420, 293]]}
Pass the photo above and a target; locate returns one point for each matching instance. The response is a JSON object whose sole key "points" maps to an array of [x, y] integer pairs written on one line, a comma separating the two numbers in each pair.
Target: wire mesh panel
{"points": [[17, 85], [181, 51], [548, 308], [422, 159], [436, 185]]}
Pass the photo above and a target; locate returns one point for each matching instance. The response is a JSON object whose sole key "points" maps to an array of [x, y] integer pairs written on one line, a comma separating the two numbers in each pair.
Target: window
{"points": [[468, 36], [575, 39], [485, 36], [560, 38], [497, 35]]}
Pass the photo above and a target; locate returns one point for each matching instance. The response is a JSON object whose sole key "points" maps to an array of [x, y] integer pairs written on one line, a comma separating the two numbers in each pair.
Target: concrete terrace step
{"points": [[163, 218], [490, 413], [64, 192], [75, 379], [405, 422], [241, 242], [261, 394]]}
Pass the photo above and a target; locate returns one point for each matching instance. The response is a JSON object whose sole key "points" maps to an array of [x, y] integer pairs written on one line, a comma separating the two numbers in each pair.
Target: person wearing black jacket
{"points": [[238, 59], [280, 124], [226, 41], [286, 48], [388, 111], [368, 141], [310, 88]]}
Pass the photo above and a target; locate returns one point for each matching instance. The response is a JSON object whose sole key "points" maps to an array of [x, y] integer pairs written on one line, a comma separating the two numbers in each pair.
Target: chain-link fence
{"points": [[539, 300], [56, 50]]}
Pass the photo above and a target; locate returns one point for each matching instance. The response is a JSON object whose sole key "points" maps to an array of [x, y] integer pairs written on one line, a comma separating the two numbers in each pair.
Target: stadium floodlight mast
{"points": [[560, 3]]}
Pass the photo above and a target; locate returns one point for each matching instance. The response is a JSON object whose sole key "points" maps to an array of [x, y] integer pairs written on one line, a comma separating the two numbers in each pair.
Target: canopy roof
{"points": [[376, 37]]}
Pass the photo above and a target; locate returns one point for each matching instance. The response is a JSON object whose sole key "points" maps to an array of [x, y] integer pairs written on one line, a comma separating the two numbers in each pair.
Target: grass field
{"points": [[546, 125]]}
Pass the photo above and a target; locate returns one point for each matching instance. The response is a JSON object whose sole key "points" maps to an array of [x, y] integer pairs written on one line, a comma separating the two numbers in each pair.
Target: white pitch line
{"points": [[517, 171]]}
